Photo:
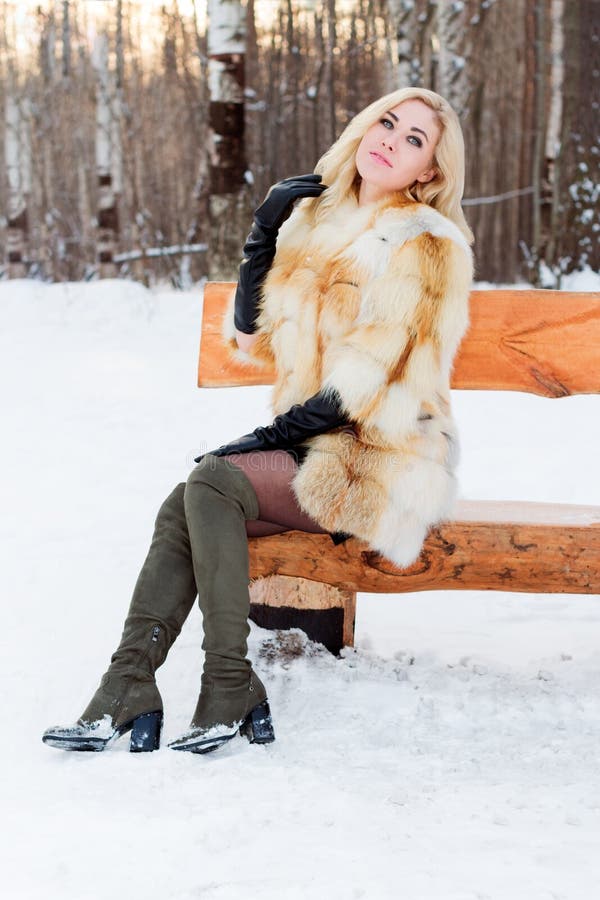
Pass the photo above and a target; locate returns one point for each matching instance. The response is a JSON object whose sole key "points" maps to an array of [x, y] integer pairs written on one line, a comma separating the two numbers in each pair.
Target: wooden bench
{"points": [[540, 342]]}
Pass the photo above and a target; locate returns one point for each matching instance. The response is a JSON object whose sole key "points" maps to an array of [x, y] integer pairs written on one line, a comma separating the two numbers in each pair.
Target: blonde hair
{"points": [[443, 192]]}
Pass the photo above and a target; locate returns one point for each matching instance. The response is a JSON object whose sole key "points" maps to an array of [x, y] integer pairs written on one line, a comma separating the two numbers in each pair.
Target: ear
{"points": [[429, 175]]}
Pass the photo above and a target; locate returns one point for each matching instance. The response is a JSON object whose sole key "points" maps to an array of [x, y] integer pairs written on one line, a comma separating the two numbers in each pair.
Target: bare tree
{"points": [[17, 151], [108, 156], [553, 131], [453, 74], [405, 16], [17, 156], [539, 14], [578, 210], [227, 48], [66, 40]]}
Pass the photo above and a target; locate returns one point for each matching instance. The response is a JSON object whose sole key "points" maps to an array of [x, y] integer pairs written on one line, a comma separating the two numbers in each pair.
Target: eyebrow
{"points": [[413, 128]]}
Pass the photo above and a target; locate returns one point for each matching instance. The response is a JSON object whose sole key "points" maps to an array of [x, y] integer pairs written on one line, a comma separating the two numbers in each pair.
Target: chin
{"points": [[376, 175]]}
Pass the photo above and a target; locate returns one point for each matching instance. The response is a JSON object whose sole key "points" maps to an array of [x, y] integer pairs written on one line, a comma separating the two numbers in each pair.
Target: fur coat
{"points": [[372, 302]]}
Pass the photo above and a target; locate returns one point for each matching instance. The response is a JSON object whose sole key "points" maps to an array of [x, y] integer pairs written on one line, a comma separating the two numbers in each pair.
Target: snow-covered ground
{"points": [[453, 754]]}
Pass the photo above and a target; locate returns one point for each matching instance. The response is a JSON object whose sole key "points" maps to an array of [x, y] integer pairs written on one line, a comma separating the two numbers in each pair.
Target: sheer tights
{"points": [[271, 472]]}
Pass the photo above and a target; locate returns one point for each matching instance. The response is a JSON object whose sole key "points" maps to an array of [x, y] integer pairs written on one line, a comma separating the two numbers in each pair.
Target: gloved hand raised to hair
{"points": [[279, 202], [319, 414], [260, 246]]}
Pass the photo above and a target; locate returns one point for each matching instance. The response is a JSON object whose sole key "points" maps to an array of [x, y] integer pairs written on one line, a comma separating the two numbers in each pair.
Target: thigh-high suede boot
{"points": [[218, 499], [128, 698]]}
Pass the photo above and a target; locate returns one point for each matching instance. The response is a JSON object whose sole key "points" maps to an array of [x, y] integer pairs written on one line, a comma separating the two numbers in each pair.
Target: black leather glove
{"points": [[317, 415], [260, 245], [279, 202]]}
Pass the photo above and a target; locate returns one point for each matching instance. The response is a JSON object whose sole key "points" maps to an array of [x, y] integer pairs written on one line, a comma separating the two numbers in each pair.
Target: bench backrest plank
{"points": [[540, 342]]}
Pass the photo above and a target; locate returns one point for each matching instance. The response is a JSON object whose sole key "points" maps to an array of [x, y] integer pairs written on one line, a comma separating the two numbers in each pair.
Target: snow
{"points": [[453, 753]]}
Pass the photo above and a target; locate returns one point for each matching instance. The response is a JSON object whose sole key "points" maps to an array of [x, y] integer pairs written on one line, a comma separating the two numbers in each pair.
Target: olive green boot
{"points": [[128, 698], [218, 500]]}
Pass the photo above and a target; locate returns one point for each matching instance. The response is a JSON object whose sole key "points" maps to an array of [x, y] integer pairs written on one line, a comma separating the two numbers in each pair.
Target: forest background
{"points": [[137, 137]]}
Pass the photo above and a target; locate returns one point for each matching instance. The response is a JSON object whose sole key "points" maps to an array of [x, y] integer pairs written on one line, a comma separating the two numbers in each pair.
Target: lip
{"points": [[380, 159]]}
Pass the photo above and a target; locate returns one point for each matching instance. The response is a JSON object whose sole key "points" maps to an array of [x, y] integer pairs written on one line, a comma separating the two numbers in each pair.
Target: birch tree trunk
{"points": [[228, 218], [17, 154], [417, 52], [452, 27], [108, 158], [404, 15]]}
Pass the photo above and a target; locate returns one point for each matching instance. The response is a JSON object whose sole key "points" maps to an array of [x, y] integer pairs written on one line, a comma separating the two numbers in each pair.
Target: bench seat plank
{"points": [[490, 545], [526, 511]]}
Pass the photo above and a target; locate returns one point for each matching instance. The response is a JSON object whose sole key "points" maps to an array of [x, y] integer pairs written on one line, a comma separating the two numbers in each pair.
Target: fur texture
{"points": [[373, 302]]}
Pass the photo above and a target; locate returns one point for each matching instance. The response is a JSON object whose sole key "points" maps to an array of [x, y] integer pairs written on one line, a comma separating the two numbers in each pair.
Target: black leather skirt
{"points": [[298, 453]]}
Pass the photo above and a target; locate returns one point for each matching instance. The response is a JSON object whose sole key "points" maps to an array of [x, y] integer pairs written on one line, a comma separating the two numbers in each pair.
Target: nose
{"points": [[388, 144]]}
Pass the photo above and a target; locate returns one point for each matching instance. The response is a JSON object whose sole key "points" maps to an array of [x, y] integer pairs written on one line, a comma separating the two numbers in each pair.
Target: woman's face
{"points": [[397, 150]]}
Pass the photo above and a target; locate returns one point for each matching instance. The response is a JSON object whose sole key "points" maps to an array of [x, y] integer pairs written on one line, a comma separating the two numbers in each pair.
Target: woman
{"points": [[359, 297]]}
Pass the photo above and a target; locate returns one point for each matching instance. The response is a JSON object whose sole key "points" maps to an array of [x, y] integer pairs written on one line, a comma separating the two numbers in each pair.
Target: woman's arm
{"points": [[260, 246], [245, 341], [317, 415]]}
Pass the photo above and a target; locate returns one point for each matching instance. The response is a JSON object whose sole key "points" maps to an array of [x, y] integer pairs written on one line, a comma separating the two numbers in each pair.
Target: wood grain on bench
{"points": [[489, 545]]}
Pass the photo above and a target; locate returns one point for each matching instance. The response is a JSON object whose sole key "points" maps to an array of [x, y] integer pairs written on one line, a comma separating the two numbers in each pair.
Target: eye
{"points": [[418, 140], [387, 122]]}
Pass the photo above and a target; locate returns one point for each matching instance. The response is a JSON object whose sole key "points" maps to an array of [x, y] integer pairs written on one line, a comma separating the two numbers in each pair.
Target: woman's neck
{"points": [[371, 193]]}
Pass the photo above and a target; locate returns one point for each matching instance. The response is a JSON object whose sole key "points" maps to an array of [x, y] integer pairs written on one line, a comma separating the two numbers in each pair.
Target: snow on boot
{"points": [[223, 710], [98, 735]]}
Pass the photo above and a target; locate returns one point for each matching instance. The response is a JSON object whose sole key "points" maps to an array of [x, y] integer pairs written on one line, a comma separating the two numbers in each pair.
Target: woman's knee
{"points": [[218, 473], [172, 506], [201, 472]]}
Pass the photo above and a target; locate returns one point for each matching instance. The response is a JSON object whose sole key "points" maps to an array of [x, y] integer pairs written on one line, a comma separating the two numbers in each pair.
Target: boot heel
{"points": [[258, 725], [145, 733]]}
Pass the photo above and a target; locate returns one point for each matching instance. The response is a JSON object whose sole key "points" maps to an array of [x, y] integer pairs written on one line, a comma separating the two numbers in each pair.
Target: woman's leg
{"points": [[166, 588], [161, 602], [162, 599], [226, 500], [218, 501], [270, 474]]}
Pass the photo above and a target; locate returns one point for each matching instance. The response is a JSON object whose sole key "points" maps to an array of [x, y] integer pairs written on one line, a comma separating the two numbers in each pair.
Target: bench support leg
{"points": [[325, 613]]}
